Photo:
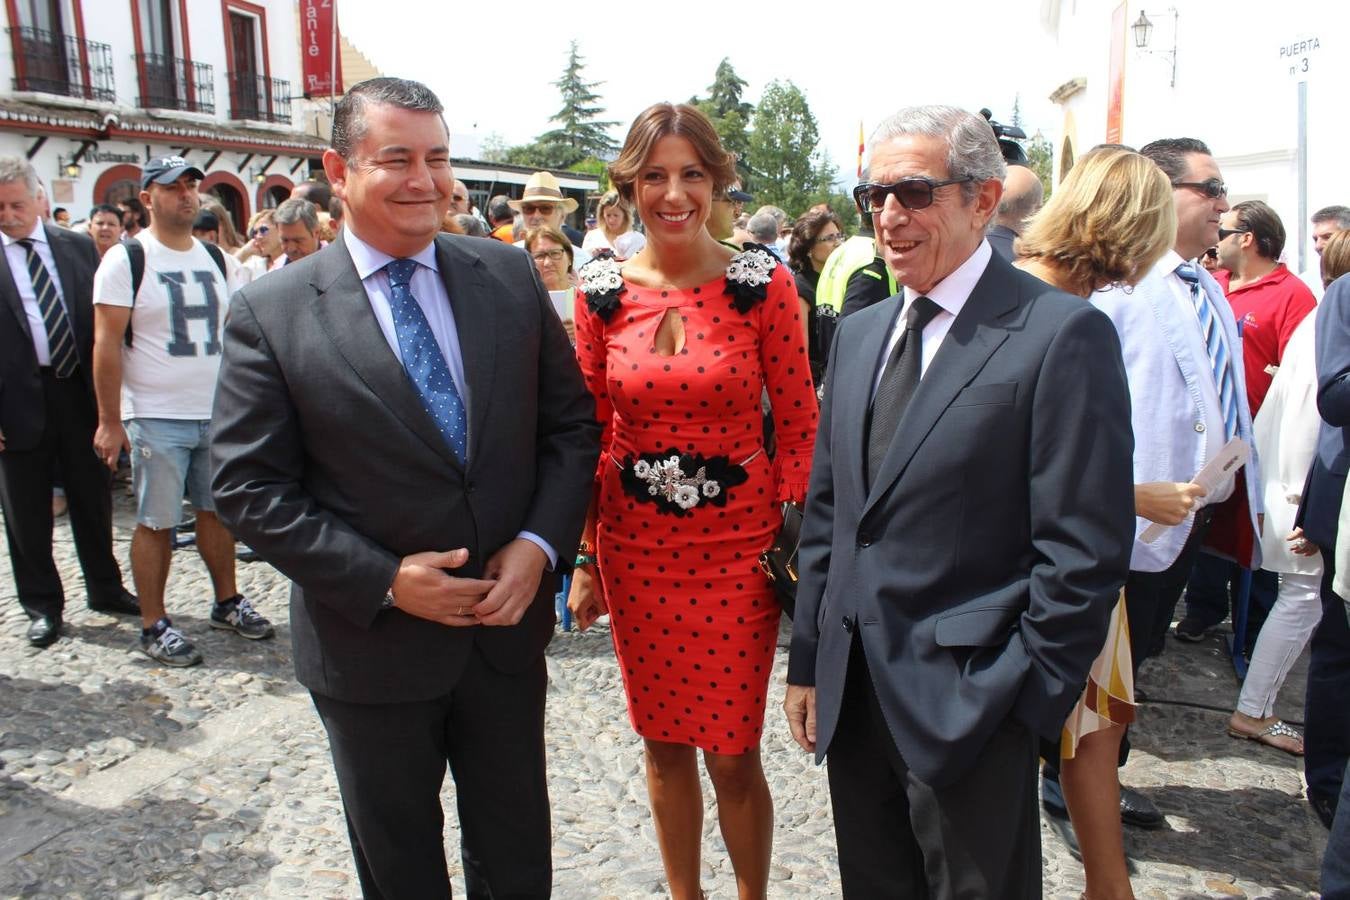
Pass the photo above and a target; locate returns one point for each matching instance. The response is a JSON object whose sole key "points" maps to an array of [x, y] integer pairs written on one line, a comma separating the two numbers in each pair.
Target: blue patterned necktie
{"points": [[60, 339], [422, 358], [1219, 358]]}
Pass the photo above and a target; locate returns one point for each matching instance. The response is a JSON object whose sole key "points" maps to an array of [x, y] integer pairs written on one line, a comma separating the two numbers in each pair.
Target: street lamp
{"points": [[1143, 30], [1143, 33], [69, 168]]}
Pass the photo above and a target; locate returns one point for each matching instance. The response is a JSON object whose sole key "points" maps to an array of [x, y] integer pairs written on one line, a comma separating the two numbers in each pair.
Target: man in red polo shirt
{"points": [[1268, 300], [1268, 303]]}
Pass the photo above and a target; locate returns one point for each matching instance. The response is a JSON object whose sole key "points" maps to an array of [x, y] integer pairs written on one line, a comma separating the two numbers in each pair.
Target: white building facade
{"points": [[91, 89], [1228, 74]]}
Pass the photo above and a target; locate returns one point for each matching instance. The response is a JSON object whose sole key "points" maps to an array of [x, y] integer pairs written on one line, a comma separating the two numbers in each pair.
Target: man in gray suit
{"points": [[967, 532], [401, 428]]}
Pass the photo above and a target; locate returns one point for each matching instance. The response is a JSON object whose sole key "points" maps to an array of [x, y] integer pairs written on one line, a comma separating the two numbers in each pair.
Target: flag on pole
{"points": [[860, 148]]}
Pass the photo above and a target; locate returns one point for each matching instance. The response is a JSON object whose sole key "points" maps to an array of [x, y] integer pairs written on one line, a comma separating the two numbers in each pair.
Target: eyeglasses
{"points": [[1212, 188], [552, 255], [1226, 233], [1212, 253], [260, 231], [836, 238], [530, 209], [913, 193]]}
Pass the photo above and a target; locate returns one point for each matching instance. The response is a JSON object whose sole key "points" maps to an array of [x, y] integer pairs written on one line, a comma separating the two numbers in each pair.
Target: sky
{"points": [[855, 61]]}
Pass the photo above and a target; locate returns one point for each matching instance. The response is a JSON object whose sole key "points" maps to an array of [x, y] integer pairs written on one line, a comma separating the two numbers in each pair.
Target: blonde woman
{"points": [[614, 231], [264, 244], [1107, 224]]}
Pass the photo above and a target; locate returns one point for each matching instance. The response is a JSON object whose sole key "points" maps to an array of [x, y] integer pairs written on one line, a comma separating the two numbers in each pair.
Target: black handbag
{"points": [[779, 562]]}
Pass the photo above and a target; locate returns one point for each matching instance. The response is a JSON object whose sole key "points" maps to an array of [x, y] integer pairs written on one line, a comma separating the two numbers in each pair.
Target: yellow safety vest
{"points": [[846, 259]]}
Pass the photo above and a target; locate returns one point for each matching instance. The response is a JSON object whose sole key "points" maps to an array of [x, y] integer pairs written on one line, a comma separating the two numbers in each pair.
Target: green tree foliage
{"points": [[730, 114], [788, 168], [579, 134], [1040, 156]]}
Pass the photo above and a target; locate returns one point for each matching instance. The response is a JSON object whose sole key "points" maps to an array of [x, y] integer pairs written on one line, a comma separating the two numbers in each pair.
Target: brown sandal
{"points": [[1270, 735]]}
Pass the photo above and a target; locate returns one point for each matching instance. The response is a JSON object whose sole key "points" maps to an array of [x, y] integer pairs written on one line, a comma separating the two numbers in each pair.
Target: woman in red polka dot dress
{"points": [[677, 347]]}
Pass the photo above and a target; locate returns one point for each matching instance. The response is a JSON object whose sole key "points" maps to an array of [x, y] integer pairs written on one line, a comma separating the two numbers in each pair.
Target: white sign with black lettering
{"points": [[1299, 57]]}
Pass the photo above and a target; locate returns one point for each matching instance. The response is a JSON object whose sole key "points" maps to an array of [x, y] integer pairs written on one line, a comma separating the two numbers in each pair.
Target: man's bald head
{"points": [[459, 198], [1022, 196]]}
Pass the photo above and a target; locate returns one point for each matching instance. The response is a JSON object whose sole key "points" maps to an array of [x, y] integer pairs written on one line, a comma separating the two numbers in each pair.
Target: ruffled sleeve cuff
{"points": [[791, 475]]}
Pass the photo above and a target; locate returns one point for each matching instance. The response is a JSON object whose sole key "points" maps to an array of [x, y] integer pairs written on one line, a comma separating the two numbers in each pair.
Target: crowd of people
{"points": [[1020, 430]]}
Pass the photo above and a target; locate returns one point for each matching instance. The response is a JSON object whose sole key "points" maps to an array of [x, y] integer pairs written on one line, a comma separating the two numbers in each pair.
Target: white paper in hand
{"points": [[1232, 457]]}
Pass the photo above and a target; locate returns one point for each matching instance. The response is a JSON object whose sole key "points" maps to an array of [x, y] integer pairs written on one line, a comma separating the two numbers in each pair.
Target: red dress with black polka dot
{"points": [[694, 620]]}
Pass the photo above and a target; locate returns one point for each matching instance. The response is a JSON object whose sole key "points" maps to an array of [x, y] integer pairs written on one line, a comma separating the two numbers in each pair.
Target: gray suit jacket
{"points": [[22, 410], [979, 571], [326, 463]]}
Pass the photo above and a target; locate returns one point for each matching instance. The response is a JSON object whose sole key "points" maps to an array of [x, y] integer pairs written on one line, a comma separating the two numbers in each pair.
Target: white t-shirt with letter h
{"points": [[170, 369]]}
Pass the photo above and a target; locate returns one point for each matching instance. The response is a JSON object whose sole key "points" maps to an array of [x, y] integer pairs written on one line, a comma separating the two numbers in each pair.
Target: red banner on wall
{"points": [[318, 48], [1115, 79]]}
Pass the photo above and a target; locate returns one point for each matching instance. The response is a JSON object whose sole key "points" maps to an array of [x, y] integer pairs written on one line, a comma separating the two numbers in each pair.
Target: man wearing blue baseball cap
{"points": [[159, 306]]}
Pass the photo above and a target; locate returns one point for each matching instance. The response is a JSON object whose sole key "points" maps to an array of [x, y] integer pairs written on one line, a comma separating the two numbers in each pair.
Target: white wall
{"points": [[1232, 91]]}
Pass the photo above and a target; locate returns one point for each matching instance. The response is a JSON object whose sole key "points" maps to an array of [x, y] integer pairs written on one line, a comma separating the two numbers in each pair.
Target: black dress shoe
{"points": [[44, 630], [123, 603], [1138, 810]]}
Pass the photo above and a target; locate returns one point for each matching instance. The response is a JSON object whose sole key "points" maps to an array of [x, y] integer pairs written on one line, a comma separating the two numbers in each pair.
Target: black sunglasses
{"points": [[1212, 188], [1226, 233], [913, 193]]}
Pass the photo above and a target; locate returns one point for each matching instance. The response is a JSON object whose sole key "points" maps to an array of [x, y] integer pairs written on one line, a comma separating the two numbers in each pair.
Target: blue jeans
{"points": [[1326, 714], [1212, 591], [1336, 861], [168, 460]]}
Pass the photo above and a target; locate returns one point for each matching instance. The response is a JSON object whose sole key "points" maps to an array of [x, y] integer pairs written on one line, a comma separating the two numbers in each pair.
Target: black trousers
{"points": [[391, 760], [901, 838], [26, 481]]}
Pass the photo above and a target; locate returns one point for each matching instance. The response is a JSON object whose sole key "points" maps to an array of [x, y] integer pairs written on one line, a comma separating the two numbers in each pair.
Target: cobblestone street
{"points": [[125, 779]]}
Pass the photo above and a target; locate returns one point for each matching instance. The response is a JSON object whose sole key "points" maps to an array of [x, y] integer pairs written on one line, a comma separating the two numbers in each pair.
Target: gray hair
{"points": [[972, 148], [16, 168], [778, 214], [1338, 214], [297, 209], [763, 227], [349, 121], [470, 225]]}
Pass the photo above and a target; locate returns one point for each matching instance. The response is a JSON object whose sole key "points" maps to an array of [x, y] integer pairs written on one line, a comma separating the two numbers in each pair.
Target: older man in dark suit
{"points": [[967, 532], [47, 410], [401, 428]]}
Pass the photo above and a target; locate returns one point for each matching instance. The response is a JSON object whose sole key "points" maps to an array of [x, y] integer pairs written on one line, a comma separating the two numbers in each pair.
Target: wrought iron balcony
{"points": [[259, 98], [61, 64], [171, 83]]}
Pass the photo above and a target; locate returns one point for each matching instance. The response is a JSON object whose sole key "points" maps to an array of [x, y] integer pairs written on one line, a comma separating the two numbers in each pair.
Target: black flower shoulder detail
{"points": [[748, 276]]}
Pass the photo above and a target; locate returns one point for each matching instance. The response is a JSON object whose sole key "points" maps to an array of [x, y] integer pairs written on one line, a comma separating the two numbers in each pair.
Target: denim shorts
{"points": [[168, 460]]}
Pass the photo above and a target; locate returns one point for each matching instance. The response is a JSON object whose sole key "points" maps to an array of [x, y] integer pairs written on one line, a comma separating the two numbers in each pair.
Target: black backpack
{"points": [[136, 256]]}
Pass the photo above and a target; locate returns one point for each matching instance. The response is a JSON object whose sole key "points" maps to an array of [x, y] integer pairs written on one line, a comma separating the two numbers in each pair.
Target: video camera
{"points": [[1008, 137]]}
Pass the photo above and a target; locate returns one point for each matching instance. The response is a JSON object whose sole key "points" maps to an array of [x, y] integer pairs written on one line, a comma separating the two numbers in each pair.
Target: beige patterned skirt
{"points": [[1108, 698]]}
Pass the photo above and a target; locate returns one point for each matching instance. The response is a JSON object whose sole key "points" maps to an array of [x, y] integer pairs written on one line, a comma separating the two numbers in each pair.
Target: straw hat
{"points": [[543, 188]]}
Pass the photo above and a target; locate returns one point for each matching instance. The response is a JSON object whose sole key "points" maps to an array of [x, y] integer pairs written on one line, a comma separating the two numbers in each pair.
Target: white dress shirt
{"points": [[950, 294], [17, 257], [428, 289]]}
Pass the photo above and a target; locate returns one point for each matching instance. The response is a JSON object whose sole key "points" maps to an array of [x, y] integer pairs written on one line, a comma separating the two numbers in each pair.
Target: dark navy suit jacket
{"points": [[980, 569]]}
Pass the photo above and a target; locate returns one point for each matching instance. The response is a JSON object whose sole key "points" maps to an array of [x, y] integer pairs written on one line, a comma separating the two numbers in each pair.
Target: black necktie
{"points": [[60, 339], [898, 381]]}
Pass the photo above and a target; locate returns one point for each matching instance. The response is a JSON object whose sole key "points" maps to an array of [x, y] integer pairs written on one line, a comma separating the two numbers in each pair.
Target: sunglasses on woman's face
{"points": [[260, 231], [913, 193]]}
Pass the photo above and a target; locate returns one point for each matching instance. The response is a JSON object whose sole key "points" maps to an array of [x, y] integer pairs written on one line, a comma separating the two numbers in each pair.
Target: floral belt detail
{"points": [[679, 482]]}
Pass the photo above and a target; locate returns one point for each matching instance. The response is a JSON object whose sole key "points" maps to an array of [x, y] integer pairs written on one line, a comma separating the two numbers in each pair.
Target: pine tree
{"points": [[729, 114], [579, 134]]}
